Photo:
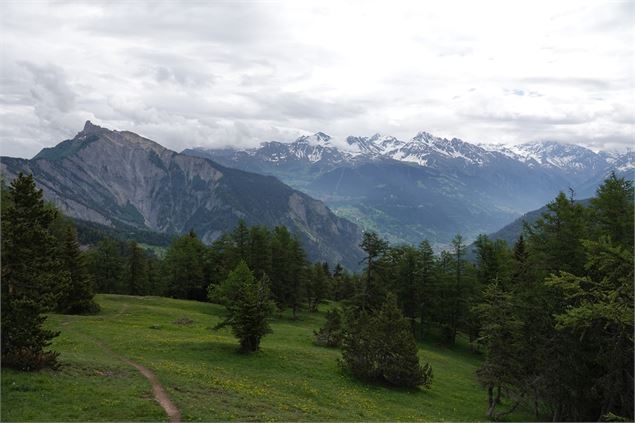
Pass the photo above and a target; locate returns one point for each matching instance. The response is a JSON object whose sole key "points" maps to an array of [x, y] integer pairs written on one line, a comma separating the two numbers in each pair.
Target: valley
{"points": [[428, 187]]}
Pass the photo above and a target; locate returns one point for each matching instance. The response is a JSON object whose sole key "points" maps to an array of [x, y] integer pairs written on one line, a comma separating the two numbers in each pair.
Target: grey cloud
{"points": [[50, 88], [237, 73]]}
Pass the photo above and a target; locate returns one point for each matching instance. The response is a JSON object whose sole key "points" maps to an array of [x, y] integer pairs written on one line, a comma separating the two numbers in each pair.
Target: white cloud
{"points": [[219, 74]]}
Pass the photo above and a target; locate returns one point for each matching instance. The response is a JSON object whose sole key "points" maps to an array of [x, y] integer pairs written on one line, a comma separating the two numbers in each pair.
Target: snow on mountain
{"points": [[425, 149], [552, 154]]}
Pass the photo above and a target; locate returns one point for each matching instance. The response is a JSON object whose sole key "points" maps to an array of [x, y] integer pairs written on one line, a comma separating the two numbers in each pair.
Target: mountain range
{"points": [[120, 179], [427, 187]]}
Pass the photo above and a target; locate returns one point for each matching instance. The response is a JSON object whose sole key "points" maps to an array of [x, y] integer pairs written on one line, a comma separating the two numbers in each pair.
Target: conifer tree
{"points": [[316, 286], [106, 266], [240, 237], [32, 276], [78, 295], [382, 348], [260, 251], [612, 210], [372, 294], [396, 348], [248, 307], [425, 285], [184, 267], [137, 271]]}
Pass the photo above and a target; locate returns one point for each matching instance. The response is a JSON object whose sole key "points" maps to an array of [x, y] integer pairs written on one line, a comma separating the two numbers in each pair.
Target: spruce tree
{"points": [[32, 276], [78, 295]]}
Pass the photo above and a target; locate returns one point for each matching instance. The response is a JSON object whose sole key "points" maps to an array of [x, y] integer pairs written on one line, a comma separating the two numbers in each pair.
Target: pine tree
{"points": [[280, 267], [425, 285], [248, 307], [32, 276], [78, 295], [372, 294], [501, 334], [137, 271], [381, 348], [297, 274], [612, 210], [396, 348], [184, 267], [260, 251], [240, 237], [316, 286], [599, 307], [457, 292], [106, 266]]}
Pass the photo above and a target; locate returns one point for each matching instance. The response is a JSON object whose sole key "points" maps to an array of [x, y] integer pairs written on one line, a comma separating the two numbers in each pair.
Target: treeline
{"points": [[189, 267]]}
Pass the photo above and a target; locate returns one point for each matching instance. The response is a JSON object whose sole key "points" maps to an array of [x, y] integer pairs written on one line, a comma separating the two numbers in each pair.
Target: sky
{"points": [[237, 73]]}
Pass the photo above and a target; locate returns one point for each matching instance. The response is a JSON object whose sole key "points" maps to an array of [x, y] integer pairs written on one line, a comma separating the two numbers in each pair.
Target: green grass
{"points": [[291, 379]]}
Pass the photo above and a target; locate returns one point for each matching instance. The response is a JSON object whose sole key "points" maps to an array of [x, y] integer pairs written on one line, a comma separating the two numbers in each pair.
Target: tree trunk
{"points": [[491, 404], [498, 395]]}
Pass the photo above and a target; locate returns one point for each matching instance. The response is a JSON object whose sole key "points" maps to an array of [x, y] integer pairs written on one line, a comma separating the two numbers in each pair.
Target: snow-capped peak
{"points": [[317, 139], [550, 154]]}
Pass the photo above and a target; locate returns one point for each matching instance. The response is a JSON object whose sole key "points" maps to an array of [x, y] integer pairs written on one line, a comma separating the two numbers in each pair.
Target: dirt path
{"points": [[157, 389], [159, 393]]}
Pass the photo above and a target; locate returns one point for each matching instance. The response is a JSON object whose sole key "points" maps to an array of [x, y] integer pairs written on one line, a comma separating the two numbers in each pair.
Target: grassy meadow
{"points": [[291, 379]]}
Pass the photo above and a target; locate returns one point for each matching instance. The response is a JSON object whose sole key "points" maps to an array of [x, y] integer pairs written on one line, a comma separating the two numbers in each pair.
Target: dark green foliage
{"points": [[260, 257], [382, 348], [372, 291], [556, 236], [184, 265], [78, 295], [32, 276], [248, 307], [558, 326], [288, 270], [330, 335], [317, 285], [23, 338], [612, 210], [600, 310], [136, 271], [106, 265]]}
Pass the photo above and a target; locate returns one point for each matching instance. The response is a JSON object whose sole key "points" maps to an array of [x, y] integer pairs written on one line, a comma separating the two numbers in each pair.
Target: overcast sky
{"points": [[237, 73]]}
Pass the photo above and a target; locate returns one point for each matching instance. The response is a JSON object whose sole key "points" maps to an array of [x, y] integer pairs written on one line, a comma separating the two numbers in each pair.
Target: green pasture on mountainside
{"points": [[291, 379]]}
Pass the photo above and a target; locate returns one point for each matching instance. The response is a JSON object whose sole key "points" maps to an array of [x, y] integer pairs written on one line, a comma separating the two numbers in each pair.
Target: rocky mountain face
{"points": [[120, 178], [427, 187]]}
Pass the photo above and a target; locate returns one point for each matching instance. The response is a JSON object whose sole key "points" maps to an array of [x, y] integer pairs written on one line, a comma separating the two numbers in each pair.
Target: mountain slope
{"points": [[112, 177], [426, 187]]}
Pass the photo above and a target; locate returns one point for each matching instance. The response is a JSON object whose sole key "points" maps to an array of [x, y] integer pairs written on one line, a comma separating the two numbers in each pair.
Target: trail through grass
{"points": [[291, 379]]}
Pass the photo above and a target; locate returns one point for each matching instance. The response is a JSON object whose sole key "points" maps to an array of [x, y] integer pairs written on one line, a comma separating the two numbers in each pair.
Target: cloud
{"points": [[239, 73]]}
